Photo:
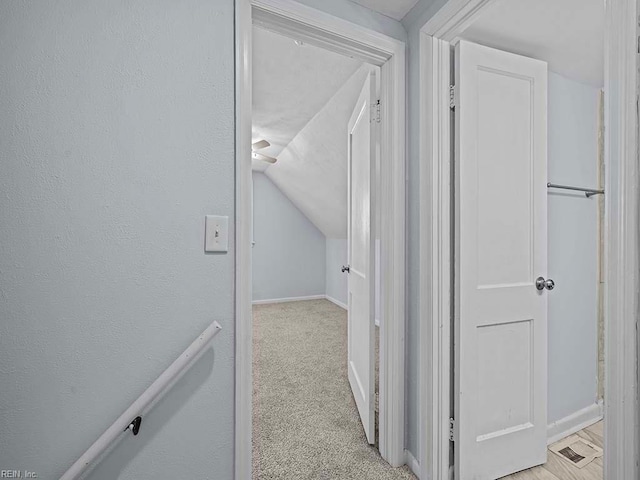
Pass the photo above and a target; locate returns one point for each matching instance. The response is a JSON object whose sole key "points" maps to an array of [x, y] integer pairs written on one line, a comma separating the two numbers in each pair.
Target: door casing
{"points": [[622, 247], [322, 29]]}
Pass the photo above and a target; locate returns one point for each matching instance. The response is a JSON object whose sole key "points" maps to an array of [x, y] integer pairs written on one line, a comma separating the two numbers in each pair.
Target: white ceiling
{"points": [[395, 9], [568, 34], [291, 84], [312, 170]]}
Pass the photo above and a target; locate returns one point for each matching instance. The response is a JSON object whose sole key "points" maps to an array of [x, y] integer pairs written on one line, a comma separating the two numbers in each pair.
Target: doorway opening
{"points": [[328, 95], [528, 136], [524, 147], [315, 272]]}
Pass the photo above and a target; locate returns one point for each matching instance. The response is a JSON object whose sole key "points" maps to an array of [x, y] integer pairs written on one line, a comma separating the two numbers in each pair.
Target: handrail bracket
{"points": [[134, 426]]}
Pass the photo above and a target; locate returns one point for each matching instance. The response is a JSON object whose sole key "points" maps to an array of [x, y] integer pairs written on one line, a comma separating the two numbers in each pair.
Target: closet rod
{"points": [[589, 192]]}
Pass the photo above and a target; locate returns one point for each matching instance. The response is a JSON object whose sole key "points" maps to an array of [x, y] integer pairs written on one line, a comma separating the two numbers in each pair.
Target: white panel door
{"points": [[501, 210], [361, 333]]}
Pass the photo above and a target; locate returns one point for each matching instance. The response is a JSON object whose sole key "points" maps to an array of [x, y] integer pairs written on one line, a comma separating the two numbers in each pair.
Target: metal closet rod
{"points": [[589, 192]]}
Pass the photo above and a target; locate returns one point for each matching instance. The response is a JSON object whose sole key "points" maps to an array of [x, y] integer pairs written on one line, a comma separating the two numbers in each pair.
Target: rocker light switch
{"points": [[216, 234]]}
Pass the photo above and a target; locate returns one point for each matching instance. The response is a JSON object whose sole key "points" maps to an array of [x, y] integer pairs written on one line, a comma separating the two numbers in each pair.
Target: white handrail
{"points": [[144, 402]]}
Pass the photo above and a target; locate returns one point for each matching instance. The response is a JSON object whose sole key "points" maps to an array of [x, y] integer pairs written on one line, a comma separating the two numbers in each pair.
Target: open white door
{"points": [[501, 249], [361, 334]]}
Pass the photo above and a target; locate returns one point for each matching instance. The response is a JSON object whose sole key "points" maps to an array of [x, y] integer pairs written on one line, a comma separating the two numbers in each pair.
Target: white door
{"points": [[501, 211], [361, 334]]}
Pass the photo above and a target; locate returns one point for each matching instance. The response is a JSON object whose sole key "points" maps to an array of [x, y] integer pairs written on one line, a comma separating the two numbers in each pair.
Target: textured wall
{"points": [[361, 16], [573, 247], [289, 255], [116, 139]]}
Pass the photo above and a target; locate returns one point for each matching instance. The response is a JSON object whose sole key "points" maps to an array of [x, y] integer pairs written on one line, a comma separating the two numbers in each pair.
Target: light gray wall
{"points": [[573, 247], [337, 256], [289, 255], [360, 15], [116, 139]]}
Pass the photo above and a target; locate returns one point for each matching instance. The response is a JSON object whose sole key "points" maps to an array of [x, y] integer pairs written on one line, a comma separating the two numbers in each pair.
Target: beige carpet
{"points": [[305, 422]]}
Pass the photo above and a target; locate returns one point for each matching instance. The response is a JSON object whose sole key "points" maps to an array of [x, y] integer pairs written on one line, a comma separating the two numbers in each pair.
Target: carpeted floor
{"points": [[305, 421]]}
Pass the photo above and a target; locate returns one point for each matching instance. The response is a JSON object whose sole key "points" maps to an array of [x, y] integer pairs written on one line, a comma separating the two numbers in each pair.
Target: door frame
{"points": [[621, 235], [325, 30]]}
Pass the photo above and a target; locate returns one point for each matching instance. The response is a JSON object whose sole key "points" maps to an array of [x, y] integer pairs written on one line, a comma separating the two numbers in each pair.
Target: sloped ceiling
{"points": [[395, 9], [291, 83], [568, 34], [312, 169]]}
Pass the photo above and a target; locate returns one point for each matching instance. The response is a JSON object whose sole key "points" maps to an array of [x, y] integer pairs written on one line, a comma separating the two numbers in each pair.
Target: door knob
{"points": [[346, 269], [541, 284]]}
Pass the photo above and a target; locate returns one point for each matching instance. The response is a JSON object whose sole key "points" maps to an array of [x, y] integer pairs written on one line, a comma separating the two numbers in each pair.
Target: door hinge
{"points": [[452, 97], [375, 112], [452, 424]]}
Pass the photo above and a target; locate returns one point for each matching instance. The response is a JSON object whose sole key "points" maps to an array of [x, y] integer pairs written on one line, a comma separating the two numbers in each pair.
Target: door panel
{"points": [[361, 333], [501, 317]]}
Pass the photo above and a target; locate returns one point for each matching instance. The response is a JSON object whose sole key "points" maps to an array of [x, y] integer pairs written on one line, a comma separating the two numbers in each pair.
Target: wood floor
{"points": [[558, 469]]}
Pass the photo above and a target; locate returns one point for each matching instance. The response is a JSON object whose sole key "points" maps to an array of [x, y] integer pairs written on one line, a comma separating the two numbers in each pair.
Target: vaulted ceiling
{"points": [[291, 83], [303, 97], [312, 170]]}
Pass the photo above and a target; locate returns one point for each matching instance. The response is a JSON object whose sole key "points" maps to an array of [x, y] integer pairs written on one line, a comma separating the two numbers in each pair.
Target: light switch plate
{"points": [[216, 233]]}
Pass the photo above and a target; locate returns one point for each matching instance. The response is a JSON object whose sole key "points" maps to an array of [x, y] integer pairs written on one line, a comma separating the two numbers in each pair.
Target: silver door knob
{"points": [[346, 269], [541, 284]]}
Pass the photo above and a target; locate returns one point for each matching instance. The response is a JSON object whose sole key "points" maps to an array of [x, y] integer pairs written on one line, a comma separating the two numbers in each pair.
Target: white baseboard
{"points": [[412, 463], [336, 302], [291, 299], [574, 423], [302, 299]]}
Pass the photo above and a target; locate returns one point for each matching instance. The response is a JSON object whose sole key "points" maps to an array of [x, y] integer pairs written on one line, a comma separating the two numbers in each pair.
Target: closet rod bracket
{"points": [[589, 192]]}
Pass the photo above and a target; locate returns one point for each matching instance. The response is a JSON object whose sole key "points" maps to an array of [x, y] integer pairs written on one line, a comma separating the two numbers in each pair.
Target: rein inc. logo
{"points": [[17, 474]]}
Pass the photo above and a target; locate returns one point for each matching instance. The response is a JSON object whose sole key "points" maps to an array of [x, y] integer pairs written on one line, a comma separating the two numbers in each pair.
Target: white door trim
{"points": [[242, 243], [622, 223], [435, 259], [622, 280], [320, 28]]}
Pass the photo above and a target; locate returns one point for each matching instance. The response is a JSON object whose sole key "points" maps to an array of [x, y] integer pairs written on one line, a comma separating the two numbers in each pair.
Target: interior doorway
{"points": [[527, 157], [524, 112], [315, 176], [305, 27], [526, 321]]}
